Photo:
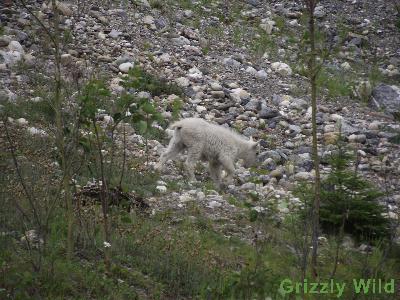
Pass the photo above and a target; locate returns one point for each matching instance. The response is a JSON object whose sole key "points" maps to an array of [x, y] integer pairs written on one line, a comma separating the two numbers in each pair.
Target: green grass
{"points": [[280, 22], [263, 43], [156, 4]]}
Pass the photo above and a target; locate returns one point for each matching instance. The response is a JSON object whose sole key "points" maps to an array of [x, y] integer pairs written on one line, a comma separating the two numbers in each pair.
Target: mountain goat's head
{"points": [[250, 154]]}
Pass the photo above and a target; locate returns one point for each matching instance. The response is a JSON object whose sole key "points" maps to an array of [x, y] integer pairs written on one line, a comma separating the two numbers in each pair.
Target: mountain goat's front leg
{"points": [[174, 148], [215, 172], [229, 168], [192, 158]]}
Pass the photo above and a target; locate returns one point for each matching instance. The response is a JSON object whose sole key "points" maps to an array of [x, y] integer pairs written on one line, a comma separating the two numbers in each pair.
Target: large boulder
{"points": [[387, 98]]}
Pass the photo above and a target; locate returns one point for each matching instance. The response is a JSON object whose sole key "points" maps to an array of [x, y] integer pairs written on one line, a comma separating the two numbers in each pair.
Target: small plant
{"points": [[156, 4], [143, 81], [238, 36], [205, 50], [143, 117], [262, 43], [350, 202], [177, 105], [335, 82], [280, 22]]}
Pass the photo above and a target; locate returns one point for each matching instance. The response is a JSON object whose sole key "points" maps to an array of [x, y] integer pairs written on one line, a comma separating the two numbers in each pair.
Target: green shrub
{"points": [[347, 197], [144, 81]]}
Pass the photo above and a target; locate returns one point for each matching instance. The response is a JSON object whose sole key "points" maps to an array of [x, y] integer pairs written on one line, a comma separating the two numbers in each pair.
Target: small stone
{"points": [[66, 58], [281, 68], [161, 188], [200, 109], [16, 46], [251, 70], [64, 8], [4, 41], [182, 82], [277, 173], [22, 121], [125, 67], [215, 86], [345, 66], [214, 204], [261, 74], [303, 176], [101, 35], [295, 128], [115, 33], [357, 138], [218, 94], [180, 41], [148, 20], [268, 113], [231, 62], [36, 131], [239, 94], [268, 26], [374, 125]]}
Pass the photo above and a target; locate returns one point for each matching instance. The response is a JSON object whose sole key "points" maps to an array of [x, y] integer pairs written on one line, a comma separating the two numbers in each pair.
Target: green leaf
{"points": [[148, 108], [253, 215], [117, 116], [142, 126]]}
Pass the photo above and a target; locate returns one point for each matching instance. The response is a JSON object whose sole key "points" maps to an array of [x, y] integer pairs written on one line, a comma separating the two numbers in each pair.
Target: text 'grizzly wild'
{"points": [[220, 146]]}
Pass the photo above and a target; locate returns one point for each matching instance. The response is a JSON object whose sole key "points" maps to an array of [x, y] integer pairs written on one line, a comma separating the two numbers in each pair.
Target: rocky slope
{"points": [[239, 63]]}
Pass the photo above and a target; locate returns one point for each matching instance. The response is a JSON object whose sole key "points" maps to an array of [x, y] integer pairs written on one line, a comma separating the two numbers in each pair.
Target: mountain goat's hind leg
{"points": [[229, 168]]}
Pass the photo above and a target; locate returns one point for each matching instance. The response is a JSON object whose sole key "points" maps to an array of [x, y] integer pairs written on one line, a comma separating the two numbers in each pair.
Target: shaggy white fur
{"points": [[220, 146]]}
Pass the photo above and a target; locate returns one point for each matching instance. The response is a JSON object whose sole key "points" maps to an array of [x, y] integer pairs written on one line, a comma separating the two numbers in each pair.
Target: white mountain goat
{"points": [[220, 146]]}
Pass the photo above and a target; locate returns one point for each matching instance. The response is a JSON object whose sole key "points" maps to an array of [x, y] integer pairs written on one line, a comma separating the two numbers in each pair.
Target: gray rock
{"points": [[230, 62], [276, 99], [357, 138], [261, 74], [268, 112], [125, 67], [215, 86], [319, 11], [248, 186], [115, 33], [299, 104], [269, 164], [295, 128], [161, 22], [272, 154], [303, 176], [253, 2], [253, 105], [4, 40], [277, 173], [347, 129], [180, 41], [250, 131], [387, 98], [31, 239]]}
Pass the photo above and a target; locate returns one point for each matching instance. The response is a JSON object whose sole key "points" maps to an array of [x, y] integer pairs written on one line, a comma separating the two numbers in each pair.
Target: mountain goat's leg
{"points": [[192, 158], [174, 148], [215, 172], [229, 168]]}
